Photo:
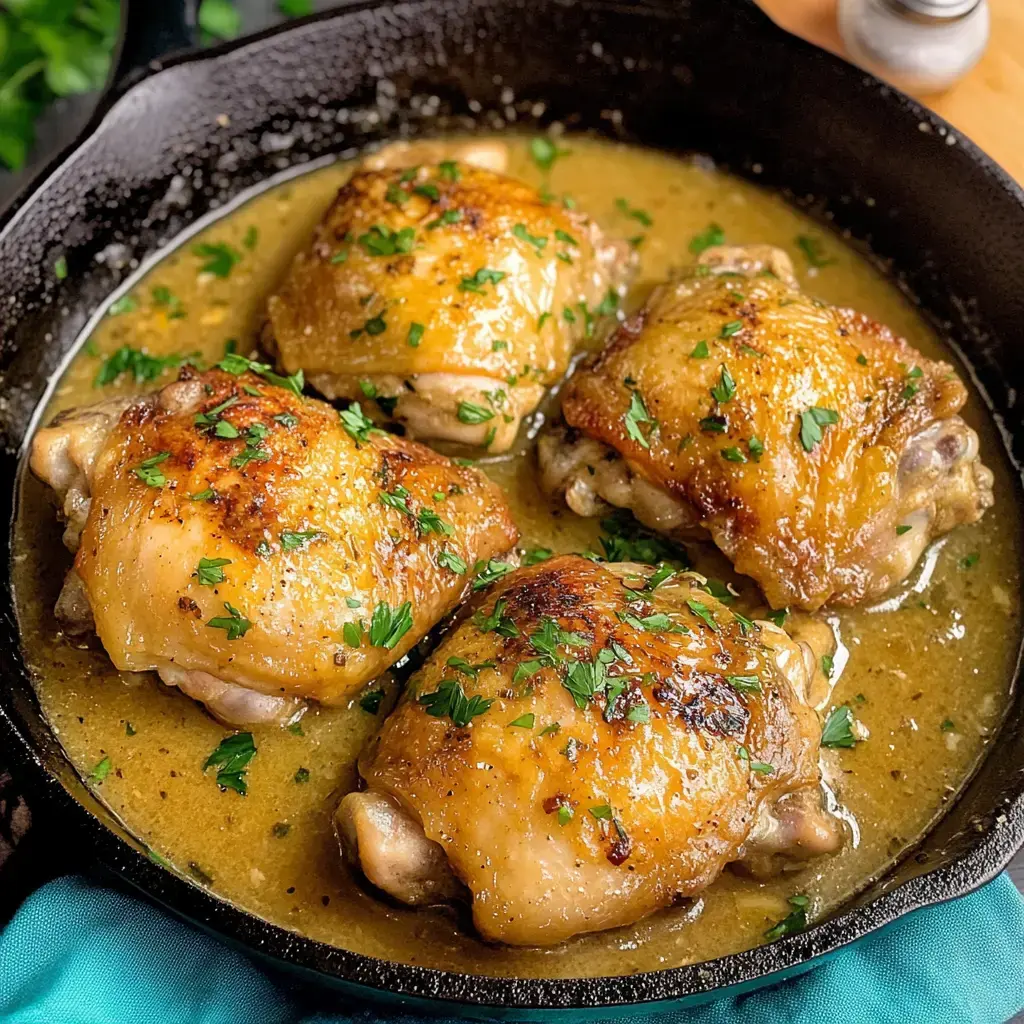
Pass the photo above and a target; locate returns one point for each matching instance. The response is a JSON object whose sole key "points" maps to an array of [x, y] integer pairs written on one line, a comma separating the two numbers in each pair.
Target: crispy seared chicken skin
{"points": [[449, 292], [820, 452], [231, 529], [584, 750]]}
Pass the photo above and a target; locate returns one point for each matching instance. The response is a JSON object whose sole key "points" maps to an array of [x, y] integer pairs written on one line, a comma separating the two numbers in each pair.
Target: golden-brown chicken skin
{"points": [[594, 743], [449, 293], [819, 451], [238, 533]]}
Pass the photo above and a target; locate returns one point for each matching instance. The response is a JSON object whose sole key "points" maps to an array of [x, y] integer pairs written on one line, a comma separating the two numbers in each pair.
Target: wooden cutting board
{"points": [[987, 104]]}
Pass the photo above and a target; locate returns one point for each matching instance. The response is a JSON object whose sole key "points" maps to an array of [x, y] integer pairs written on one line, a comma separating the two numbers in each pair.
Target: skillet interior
{"points": [[683, 77]]}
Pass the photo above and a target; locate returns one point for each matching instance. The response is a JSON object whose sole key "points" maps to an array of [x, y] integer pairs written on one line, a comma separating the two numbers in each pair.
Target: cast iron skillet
{"points": [[685, 75]]}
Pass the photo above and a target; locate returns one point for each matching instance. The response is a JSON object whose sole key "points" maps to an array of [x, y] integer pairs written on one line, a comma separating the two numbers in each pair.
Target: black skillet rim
{"points": [[449, 989]]}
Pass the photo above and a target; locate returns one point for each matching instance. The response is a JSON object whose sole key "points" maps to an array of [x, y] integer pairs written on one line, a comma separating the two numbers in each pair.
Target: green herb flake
{"points": [[388, 625], [231, 759], [356, 423], [147, 472], [489, 573], [795, 922], [415, 335], [838, 728], [210, 571], [482, 277], [235, 624], [731, 328], [634, 212], [218, 259], [714, 234], [704, 613], [100, 771], [468, 412], [371, 702], [292, 540], [700, 350], [745, 684], [526, 721], [812, 251], [301, 776], [449, 700], [449, 560], [636, 414], [811, 423]]}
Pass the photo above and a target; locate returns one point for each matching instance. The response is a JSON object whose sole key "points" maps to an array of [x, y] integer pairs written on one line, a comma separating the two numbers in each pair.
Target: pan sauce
{"points": [[927, 674]]}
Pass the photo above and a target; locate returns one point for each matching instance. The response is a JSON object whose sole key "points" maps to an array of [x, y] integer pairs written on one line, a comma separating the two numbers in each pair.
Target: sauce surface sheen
{"points": [[927, 672]]}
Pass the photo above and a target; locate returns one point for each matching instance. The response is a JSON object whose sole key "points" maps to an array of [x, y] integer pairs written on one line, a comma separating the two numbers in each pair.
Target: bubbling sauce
{"points": [[927, 672]]}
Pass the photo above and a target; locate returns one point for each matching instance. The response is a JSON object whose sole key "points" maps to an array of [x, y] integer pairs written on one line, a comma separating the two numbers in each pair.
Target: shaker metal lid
{"points": [[937, 10]]}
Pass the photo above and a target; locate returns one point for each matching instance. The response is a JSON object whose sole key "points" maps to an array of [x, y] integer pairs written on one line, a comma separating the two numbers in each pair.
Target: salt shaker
{"points": [[917, 45]]}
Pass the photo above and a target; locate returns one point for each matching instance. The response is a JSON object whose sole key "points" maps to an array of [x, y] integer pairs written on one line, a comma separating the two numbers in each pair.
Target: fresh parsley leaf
{"points": [[795, 922], [210, 571], [388, 625], [641, 216], [449, 700], [636, 414], [219, 19], [745, 684], [292, 540], [535, 555], [489, 573], [537, 241], [231, 759], [714, 234], [468, 412], [142, 366], [544, 152], [147, 472], [527, 721], [415, 335], [811, 248], [100, 771], [497, 621], [704, 613], [482, 277], [700, 350], [219, 259], [371, 702], [838, 728], [449, 560], [356, 423], [811, 423], [725, 390], [234, 623]]}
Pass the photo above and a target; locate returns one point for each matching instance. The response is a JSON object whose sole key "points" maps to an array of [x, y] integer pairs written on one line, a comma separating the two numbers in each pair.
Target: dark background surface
{"points": [[33, 851]]}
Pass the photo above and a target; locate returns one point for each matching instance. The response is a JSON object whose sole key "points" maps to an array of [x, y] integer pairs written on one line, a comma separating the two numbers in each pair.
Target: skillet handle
{"points": [[151, 29]]}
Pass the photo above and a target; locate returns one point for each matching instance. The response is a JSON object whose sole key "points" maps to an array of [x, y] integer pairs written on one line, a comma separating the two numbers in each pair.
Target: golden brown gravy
{"points": [[943, 655]]}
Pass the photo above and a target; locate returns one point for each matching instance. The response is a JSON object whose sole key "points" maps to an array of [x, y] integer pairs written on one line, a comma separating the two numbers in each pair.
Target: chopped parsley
{"points": [[142, 366], [235, 624], [415, 335], [745, 684], [482, 277], [795, 922], [731, 328], [534, 555], [210, 571], [725, 390], [448, 170], [811, 248], [733, 454], [970, 561], [827, 665], [636, 414], [544, 152], [101, 771], [449, 700], [356, 423], [236, 364], [468, 412], [537, 241], [374, 326], [633, 212], [700, 350], [903, 528], [380, 240], [125, 304], [704, 613], [625, 540], [489, 573], [527, 721], [911, 388], [388, 625], [231, 759], [838, 729], [292, 540], [496, 622], [811, 423], [371, 702], [219, 259], [449, 560], [713, 235], [147, 472]]}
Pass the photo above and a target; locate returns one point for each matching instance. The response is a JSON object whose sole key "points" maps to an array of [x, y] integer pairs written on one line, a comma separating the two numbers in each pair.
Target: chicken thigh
{"points": [[254, 547], [820, 452], [596, 742], [449, 293]]}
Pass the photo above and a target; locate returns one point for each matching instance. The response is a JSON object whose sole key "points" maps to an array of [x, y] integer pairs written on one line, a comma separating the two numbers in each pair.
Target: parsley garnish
{"points": [[234, 623], [537, 241], [489, 573], [449, 560], [642, 216], [470, 413], [210, 571], [236, 364], [496, 622], [535, 555], [415, 335], [231, 759], [811, 423], [700, 350], [838, 729], [220, 259], [795, 922], [482, 277], [544, 152], [292, 540], [450, 700], [356, 423], [380, 240], [725, 390], [636, 414], [731, 328], [704, 613], [449, 170], [141, 365], [745, 684], [713, 235], [101, 771], [527, 721], [371, 702], [811, 248], [147, 472], [388, 625]]}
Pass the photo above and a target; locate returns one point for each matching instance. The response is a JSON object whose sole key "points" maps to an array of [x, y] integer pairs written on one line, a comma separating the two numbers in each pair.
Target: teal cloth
{"points": [[77, 953]]}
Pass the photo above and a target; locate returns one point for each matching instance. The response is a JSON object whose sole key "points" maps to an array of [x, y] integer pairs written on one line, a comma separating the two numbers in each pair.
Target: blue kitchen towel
{"points": [[77, 953]]}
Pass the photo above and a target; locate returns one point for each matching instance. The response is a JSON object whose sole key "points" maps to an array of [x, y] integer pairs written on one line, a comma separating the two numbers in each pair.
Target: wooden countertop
{"points": [[987, 104]]}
